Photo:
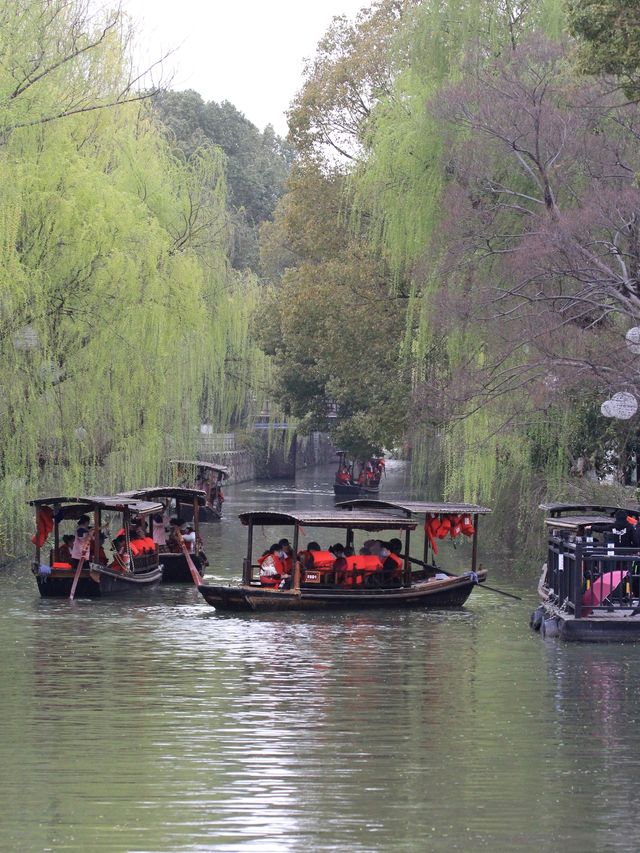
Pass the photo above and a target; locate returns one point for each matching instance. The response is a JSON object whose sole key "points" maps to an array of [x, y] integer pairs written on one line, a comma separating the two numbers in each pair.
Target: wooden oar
{"points": [[452, 575], [195, 574], [76, 577]]}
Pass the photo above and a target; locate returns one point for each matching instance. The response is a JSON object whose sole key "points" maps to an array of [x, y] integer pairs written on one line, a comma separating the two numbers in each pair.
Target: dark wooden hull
{"points": [[354, 490], [96, 582], [206, 513], [175, 568], [620, 627], [452, 592]]}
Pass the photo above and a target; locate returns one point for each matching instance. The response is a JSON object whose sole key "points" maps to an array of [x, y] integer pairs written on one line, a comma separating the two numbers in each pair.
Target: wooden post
{"points": [[576, 587], [127, 538], [425, 549], [474, 548], [96, 537], [196, 517], [407, 564], [56, 535], [349, 542], [295, 565], [246, 567]]}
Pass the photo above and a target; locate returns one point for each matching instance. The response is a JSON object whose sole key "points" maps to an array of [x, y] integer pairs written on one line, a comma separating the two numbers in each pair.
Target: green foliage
{"points": [[329, 324], [119, 315], [257, 163], [609, 39]]}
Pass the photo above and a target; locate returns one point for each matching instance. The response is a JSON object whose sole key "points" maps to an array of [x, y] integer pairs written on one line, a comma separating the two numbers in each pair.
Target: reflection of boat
{"points": [[130, 568], [175, 568], [590, 583], [207, 477], [367, 480], [320, 579]]}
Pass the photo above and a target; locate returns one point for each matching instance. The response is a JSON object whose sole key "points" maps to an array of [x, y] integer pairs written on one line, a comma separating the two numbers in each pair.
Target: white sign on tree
{"points": [[633, 340], [622, 405]]}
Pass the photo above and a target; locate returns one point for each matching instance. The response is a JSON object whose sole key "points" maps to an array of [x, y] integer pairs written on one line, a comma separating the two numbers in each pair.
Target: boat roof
{"points": [[115, 503], [573, 522], [561, 508], [414, 507], [328, 518], [212, 466], [167, 492]]}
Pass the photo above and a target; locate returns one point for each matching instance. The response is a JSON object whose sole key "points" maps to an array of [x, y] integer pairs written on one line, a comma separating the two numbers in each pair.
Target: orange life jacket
{"points": [[277, 564], [466, 525], [364, 562], [322, 559], [431, 526], [137, 547], [44, 525]]}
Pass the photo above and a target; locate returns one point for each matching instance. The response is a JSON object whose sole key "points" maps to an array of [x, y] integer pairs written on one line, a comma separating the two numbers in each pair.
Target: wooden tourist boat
{"points": [[317, 582], [590, 584], [202, 476], [128, 569], [366, 482], [175, 568]]}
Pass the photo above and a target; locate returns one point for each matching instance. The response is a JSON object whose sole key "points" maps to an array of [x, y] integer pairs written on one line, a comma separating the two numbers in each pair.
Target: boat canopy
{"points": [[573, 522], [330, 518], [411, 508], [211, 466], [177, 492], [557, 509], [115, 503]]}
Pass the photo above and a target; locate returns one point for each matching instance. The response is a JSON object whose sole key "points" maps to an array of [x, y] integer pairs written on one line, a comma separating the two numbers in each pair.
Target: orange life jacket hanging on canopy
{"points": [[456, 526], [466, 525], [444, 527], [44, 525], [431, 526]]}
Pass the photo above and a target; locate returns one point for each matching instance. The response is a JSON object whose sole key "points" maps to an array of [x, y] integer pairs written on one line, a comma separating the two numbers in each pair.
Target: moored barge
{"points": [[590, 583]]}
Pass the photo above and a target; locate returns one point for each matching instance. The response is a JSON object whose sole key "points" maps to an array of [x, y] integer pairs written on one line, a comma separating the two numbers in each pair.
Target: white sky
{"points": [[249, 52]]}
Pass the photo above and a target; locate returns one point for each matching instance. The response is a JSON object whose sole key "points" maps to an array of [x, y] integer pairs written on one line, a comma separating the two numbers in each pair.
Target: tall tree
{"points": [[257, 163]]}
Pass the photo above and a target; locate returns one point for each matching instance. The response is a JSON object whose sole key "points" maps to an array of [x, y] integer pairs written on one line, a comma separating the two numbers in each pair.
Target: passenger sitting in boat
{"points": [[353, 570], [64, 550], [392, 564], [337, 550], [173, 545], [102, 557], [120, 560], [371, 547], [286, 555], [344, 476], [271, 566], [626, 530]]}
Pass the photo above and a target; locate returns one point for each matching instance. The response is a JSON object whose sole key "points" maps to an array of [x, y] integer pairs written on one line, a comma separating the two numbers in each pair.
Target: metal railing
{"points": [[586, 577]]}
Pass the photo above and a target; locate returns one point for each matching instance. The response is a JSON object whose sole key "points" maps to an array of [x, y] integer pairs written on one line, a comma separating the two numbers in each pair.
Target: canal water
{"points": [[160, 725]]}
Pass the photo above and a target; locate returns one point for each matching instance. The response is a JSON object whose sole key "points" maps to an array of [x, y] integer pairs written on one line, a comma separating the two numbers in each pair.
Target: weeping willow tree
{"points": [[123, 327], [401, 187]]}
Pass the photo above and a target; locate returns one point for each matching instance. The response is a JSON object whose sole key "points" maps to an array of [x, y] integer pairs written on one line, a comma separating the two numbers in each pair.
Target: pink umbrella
{"points": [[601, 587]]}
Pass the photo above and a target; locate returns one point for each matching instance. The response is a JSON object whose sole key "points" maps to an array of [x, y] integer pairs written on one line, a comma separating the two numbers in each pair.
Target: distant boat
{"points": [[590, 583], [207, 477], [322, 579], [366, 482], [133, 566], [175, 568]]}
